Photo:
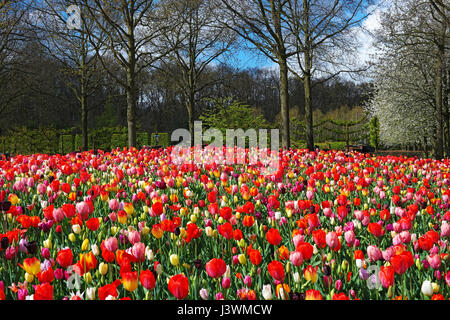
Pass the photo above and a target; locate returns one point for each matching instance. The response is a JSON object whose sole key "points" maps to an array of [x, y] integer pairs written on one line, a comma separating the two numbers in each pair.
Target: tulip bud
{"points": [[76, 228], [209, 231], [29, 277], [419, 265], [48, 243], [103, 268], [85, 245], [435, 287], [296, 277], [390, 292], [174, 260], [145, 231], [113, 230], [344, 266], [72, 237], [87, 277], [90, 293], [288, 267], [242, 259]]}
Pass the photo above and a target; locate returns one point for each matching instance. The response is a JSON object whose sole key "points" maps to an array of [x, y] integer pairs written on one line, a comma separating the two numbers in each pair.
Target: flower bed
{"points": [[131, 224]]}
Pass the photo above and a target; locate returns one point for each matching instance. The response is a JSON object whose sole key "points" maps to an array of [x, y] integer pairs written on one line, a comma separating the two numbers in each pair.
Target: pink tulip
{"points": [[388, 253], [445, 229], [327, 212], [248, 281], [226, 283], [405, 236], [374, 253], [332, 239], [138, 251], [83, 209], [296, 258], [134, 237], [350, 237], [434, 261], [58, 215], [111, 244], [113, 204], [41, 188], [113, 216]]}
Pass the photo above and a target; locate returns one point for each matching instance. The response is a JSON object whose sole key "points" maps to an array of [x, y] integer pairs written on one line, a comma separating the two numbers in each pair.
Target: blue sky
{"points": [[243, 58]]}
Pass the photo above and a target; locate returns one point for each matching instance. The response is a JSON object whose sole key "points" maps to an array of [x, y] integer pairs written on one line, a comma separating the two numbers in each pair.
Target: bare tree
{"points": [[322, 35], [67, 41], [11, 37], [263, 23], [133, 29], [198, 40]]}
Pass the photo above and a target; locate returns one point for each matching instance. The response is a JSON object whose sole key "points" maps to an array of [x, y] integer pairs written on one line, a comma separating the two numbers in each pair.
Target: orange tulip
{"points": [[32, 265], [313, 295], [130, 281]]}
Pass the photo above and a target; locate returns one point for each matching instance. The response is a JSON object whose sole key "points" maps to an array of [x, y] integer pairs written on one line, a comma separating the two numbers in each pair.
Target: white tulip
{"points": [[427, 288], [267, 292]]}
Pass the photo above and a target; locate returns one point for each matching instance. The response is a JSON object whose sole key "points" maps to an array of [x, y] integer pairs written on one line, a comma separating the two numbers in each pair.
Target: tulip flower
{"points": [[179, 286]]}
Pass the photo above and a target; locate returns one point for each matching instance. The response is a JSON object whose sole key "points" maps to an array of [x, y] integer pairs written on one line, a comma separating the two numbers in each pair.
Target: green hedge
{"points": [[52, 141], [163, 141]]}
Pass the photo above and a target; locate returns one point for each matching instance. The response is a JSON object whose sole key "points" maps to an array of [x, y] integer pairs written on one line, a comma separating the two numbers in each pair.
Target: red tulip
{"points": [[157, 208], [225, 213], [69, 210], [46, 276], [273, 237], [93, 224], [147, 279], [376, 229], [306, 249], [386, 276], [319, 238], [43, 292], [215, 268], [276, 270], [226, 230], [65, 257], [179, 286], [108, 290], [255, 257]]}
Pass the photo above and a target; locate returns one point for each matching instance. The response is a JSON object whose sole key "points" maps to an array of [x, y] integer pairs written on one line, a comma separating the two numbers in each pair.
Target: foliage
{"points": [[52, 141], [231, 114], [163, 139], [375, 132]]}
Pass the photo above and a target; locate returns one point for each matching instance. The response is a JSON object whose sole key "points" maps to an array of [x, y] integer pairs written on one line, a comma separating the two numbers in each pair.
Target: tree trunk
{"points": [[131, 108], [307, 79], [131, 87], [83, 96], [84, 121], [284, 101], [308, 107], [446, 106], [191, 114], [439, 102]]}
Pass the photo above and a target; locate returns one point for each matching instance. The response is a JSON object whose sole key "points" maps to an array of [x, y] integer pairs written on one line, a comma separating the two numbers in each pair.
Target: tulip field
{"points": [[132, 224]]}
